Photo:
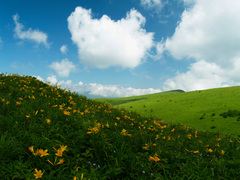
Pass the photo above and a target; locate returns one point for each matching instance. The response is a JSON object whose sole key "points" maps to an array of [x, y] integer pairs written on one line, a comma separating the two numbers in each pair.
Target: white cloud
{"points": [[63, 68], [104, 42], [201, 75], [209, 30], [52, 79], [63, 49], [94, 89], [33, 35], [39, 78], [209, 34], [157, 5]]}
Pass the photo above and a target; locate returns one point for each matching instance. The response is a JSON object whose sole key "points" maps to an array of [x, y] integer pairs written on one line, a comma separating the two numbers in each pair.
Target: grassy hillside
{"points": [[50, 133], [199, 109]]}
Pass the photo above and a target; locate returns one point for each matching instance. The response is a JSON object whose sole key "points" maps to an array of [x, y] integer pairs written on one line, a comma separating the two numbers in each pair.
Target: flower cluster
{"points": [[42, 153]]}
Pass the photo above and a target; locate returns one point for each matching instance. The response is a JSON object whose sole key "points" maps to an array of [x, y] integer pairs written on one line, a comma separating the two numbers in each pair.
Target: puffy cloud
{"points": [[39, 78], [63, 68], [94, 89], [209, 30], [33, 35], [98, 90], [208, 33], [103, 42], [157, 5], [201, 75], [63, 49], [52, 79]]}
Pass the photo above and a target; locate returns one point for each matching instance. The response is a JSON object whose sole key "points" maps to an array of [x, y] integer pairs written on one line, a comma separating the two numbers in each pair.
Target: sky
{"points": [[120, 48]]}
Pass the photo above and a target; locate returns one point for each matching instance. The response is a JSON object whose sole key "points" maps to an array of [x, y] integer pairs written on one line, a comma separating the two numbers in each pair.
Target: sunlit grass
{"points": [[199, 109], [50, 133]]}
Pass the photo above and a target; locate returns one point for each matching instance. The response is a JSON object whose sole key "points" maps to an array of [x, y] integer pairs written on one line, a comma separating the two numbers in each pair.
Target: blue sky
{"points": [[117, 48]]}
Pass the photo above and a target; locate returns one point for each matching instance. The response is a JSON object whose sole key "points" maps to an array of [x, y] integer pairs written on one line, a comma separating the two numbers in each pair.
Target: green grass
{"points": [[198, 109], [68, 136]]}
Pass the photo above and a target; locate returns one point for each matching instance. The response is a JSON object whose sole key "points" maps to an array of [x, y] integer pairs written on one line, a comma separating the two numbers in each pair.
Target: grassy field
{"points": [[50, 133], [199, 109]]}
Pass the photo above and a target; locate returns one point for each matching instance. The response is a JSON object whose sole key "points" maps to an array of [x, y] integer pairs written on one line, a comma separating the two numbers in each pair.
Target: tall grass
{"points": [[50, 133]]}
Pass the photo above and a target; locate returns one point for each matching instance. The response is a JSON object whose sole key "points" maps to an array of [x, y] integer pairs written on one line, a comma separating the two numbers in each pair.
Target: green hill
{"points": [[199, 109], [50, 133]]}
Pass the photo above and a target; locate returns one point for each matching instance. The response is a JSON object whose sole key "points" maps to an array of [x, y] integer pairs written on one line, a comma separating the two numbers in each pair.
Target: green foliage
{"points": [[230, 113], [52, 133]]}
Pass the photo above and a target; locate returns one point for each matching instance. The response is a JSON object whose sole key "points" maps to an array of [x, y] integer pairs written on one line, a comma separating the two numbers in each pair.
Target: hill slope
{"points": [[50, 133], [198, 109]]}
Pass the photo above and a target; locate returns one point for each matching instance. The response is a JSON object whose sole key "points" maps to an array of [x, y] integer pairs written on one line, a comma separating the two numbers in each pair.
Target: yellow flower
{"points": [[20, 99], [3, 100], [27, 116], [173, 130], [207, 146], [124, 131], [60, 161], [95, 129], [38, 174], [107, 125], [42, 152], [156, 159], [99, 125], [67, 113], [48, 121], [189, 136], [58, 153], [63, 148], [222, 152], [18, 103], [89, 132], [118, 118], [210, 150], [196, 151], [31, 149]]}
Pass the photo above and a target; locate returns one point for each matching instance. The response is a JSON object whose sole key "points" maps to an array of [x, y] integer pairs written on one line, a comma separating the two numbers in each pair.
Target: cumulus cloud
{"points": [[94, 89], [201, 75], [63, 49], [33, 35], [157, 5], [63, 68], [98, 90], [103, 42], [39, 78], [208, 33], [52, 79], [209, 30]]}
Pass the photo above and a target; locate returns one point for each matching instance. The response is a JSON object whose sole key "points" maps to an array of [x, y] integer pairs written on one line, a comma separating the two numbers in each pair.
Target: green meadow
{"points": [[50, 133], [198, 109]]}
